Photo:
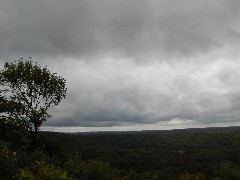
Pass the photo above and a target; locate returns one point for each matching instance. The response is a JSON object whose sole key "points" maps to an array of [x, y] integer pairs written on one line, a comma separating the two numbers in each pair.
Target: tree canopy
{"points": [[27, 92]]}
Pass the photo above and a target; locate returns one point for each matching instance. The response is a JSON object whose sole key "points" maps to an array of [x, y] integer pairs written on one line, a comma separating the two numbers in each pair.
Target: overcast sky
{"points": [[132, 64]]}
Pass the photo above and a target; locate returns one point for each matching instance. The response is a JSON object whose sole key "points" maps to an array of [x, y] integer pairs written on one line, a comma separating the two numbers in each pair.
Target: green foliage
{"points": [[90, 170], [98, 170], [75, 166], [43, 170], [194, 176], [228, 170], [33, 90], [25, 174], [8, 161], [39, 165], [17, 137], [151, 175]]}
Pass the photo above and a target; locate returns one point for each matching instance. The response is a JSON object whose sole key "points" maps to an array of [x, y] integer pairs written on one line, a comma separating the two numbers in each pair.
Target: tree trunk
{"points": [[34, 139]]}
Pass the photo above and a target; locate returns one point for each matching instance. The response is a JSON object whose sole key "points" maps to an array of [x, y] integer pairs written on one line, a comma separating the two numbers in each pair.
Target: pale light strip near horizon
{"points": [[134, 128]]}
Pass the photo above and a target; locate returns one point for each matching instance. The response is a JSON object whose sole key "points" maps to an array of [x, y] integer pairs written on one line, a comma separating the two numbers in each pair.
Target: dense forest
{"points": [[204, 153], [210, 153]]}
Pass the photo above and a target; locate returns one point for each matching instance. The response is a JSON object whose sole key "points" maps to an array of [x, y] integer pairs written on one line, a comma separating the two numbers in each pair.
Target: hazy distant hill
{"points": [[208, 129]]}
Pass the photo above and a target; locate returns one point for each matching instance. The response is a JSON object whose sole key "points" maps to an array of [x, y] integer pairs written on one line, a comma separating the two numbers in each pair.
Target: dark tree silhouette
{"points": [[28, 91]]}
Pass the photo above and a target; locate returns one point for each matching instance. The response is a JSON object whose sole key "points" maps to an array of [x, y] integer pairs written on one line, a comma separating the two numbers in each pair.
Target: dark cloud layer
{"points": [[132, 62], [129, 28]]}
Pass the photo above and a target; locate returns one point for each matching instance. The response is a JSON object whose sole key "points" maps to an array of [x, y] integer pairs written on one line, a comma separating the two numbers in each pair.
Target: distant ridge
{"points": [[196, 130]]}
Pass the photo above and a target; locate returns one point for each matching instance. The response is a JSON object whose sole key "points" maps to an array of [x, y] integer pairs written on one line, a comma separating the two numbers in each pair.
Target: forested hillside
{"points": [[211, 153], [205, 153]]}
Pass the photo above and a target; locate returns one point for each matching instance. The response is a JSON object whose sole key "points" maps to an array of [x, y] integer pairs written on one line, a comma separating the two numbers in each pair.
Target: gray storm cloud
{"points": [[123, 93], [132, 62], [129, 28]]}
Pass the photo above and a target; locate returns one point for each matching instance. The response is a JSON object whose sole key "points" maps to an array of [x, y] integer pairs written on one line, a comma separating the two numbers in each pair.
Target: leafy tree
{"points": [[8, 129], [28, 91]]}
